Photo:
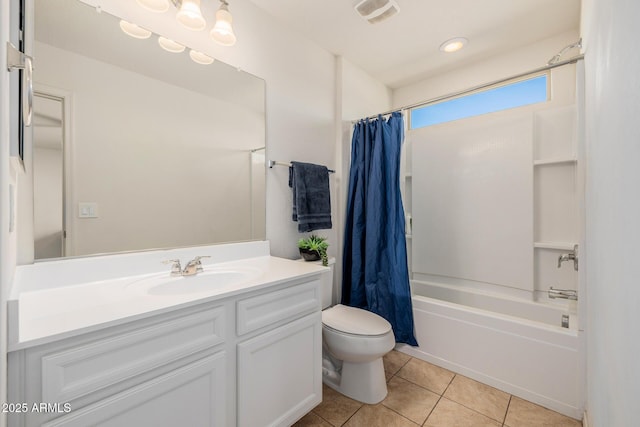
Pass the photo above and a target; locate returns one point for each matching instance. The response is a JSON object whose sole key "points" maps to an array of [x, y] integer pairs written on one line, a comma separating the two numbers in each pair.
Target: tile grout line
{"points": [[363, 405], [396, 412], [352, 415], [320, 416], [449, 385], [504, 420], [425, 388], [439, 399], [396, 375], [472, 409], [443, 395], [431, 411]]}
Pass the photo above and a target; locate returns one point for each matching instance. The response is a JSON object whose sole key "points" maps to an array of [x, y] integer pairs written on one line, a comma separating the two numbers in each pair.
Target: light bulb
{"points": [[222, 31], [169, 45], [453, 45], [200, 57], [155, 5], [134, 31], [190, 15]]}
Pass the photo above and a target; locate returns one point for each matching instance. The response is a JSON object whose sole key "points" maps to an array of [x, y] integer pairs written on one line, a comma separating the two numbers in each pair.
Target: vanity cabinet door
{"points": [[279, 374], [193, 396]]}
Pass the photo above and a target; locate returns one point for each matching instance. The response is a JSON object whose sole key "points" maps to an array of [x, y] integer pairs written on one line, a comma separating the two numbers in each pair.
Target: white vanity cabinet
{"points": [[279, 355], [253, 359]]}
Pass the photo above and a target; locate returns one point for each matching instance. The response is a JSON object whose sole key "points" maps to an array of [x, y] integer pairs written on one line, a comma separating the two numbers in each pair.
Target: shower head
{"points": [[556, 58]]}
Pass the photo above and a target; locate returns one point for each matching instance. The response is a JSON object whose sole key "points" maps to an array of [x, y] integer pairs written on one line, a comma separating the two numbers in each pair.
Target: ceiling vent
{"points": [[374, 11]]}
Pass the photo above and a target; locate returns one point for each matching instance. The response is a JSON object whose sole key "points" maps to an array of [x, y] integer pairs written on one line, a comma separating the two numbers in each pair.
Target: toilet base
{"points": [[364, 382]]}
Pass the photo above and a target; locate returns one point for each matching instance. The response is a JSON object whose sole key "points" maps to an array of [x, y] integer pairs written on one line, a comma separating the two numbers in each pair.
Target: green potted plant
{"points": [[314, 248]]}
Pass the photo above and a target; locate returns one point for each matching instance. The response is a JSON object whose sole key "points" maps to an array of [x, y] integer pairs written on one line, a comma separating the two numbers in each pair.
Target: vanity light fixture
{"points": [[169, 45], [453, 45], [165, 43], [155, 5], [190, 15], [200, 57], [134, 31], [222, 31]]}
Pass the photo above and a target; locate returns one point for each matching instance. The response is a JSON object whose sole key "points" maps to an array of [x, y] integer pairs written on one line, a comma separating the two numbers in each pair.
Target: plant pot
{"points": [[309, 255]]}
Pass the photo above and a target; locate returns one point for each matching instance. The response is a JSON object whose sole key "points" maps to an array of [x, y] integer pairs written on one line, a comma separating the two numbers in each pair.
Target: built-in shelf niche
{"points": [[556, 217]]}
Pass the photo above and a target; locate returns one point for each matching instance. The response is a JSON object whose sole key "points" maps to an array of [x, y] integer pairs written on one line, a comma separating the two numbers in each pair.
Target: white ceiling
{"points": [[404, 48]]}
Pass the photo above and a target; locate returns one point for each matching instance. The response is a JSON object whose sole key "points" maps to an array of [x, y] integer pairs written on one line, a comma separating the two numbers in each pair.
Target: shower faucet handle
{"points": [[571, 256]]}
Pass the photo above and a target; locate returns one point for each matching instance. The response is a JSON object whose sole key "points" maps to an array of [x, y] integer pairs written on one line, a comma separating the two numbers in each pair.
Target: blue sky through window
{"points": [[512, 95]]}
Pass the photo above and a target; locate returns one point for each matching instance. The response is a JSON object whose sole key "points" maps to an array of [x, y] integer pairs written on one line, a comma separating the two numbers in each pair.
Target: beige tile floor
{"points": [[422, 394]]}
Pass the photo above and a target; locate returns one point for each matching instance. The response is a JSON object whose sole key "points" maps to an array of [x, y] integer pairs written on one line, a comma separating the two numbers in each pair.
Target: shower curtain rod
{"points": [[476, 88]]}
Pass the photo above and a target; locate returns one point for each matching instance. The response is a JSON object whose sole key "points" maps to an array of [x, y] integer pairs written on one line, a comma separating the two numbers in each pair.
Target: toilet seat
{"points": [[354, 321]]}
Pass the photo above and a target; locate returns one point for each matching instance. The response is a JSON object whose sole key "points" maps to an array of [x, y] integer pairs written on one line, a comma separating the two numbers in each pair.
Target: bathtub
{"points": [[514, 345]]}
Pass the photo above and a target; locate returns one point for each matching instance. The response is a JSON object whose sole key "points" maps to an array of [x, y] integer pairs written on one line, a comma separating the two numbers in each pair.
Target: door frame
{"points": [[66, 99]]}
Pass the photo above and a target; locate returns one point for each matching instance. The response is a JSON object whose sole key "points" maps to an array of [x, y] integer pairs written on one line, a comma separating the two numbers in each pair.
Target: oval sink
{"points": [[205, 281]]}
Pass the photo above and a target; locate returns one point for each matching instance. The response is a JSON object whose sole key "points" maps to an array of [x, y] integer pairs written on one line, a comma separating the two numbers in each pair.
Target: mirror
{"points": [[154, 150]]}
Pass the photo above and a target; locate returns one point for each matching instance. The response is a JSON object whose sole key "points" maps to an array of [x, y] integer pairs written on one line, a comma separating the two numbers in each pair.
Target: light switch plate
{"points": [[87, 210]]}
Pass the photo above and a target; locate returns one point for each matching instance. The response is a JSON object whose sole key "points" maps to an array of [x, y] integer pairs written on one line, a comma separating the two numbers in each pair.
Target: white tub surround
{"points": [[513, 345], [147, 348]]}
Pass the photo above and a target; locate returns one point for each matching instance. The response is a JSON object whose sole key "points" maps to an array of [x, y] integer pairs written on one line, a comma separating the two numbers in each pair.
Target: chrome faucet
{"points": [[571, 256], [194, 266], [176, 269]]}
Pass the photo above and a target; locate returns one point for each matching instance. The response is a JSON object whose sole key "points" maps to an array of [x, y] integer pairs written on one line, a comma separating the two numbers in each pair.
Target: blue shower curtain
{"points": [[375, 272]]}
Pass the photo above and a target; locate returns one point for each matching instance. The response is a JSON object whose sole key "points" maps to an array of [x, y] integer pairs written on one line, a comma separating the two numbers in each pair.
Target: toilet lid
{"points": [[355, 321]]}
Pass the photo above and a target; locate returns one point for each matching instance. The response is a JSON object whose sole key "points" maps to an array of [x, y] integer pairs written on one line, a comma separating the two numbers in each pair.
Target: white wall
{"points": [[362, 95], [613, 211]]}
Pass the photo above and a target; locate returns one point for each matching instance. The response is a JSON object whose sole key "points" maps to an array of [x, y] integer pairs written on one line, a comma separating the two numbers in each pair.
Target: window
{"points": [[518, 94]]}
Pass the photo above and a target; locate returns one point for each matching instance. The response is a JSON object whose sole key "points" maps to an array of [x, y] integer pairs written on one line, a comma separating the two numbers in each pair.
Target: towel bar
{"points": [[273, 163]]}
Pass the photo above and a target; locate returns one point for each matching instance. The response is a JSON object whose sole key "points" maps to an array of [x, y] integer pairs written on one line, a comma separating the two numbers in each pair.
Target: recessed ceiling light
{"points": [[134, 31], [453, 45]]}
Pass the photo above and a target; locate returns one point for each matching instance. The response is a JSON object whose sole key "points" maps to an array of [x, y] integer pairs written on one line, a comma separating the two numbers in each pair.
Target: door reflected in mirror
{"points": [[155, 151], [48, 164]]}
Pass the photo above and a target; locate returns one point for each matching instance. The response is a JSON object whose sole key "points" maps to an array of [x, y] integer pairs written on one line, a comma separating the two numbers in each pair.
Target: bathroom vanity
{"points": [[151, 350]]}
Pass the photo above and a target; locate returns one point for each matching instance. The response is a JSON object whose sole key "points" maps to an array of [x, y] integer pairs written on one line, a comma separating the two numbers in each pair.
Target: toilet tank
{"points": [[326, 284]]}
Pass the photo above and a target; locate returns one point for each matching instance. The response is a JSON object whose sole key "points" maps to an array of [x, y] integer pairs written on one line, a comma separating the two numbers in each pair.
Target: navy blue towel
{"points": [[311, 200]]}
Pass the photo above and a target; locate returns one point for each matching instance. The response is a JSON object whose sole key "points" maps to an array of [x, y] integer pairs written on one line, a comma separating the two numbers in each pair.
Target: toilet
{"points": [[353, 343]]}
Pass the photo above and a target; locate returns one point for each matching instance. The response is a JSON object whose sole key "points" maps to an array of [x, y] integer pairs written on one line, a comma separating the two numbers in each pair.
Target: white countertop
{"points": [[39, 314]]}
